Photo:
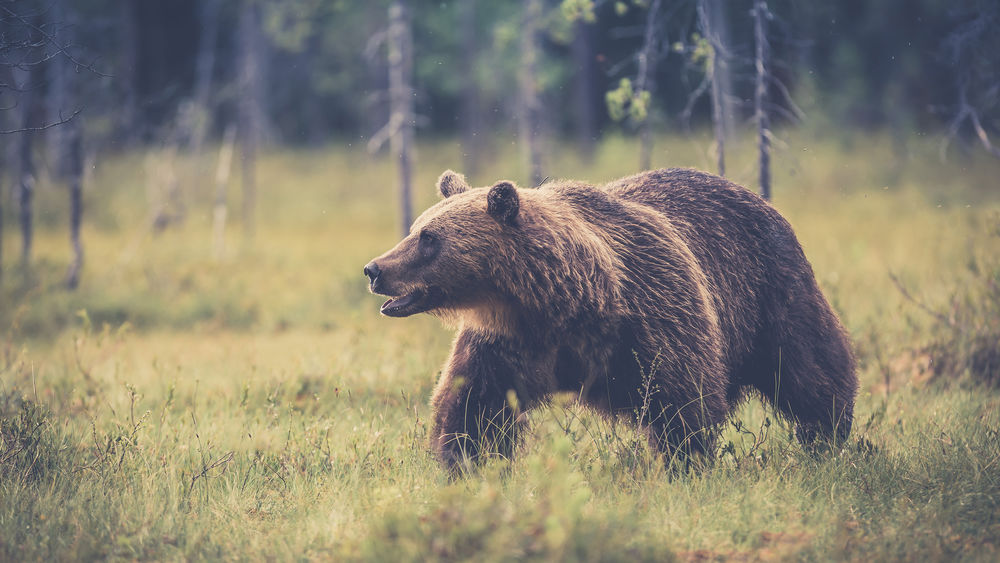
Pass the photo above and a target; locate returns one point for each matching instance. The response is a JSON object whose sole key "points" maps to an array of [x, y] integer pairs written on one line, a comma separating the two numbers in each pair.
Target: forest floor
{"points": [[187, 404]]}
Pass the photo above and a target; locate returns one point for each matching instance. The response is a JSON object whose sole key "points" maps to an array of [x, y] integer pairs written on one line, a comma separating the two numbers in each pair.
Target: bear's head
{"points": [[451, 258]]}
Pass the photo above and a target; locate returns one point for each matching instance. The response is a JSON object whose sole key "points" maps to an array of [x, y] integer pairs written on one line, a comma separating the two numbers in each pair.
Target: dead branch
{"points": [[920, 304]]}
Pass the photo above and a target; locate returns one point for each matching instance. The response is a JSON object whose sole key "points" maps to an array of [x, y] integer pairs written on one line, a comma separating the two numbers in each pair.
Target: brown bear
{"points": [[666, 297]]}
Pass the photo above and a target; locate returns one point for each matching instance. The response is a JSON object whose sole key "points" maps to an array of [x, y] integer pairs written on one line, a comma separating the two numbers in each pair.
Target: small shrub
{"points": [[28, 446], [966, 337]]}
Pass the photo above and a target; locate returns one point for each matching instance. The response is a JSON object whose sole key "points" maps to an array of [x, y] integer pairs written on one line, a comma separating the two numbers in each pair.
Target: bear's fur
{"points": [[666, 297]]}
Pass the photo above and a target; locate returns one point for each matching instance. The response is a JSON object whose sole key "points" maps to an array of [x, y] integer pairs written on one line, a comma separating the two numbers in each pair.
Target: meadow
{"points": [[254, 405]]}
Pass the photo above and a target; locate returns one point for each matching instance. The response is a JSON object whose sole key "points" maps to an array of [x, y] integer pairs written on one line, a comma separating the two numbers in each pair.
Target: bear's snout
{"points": [[372, 271]]}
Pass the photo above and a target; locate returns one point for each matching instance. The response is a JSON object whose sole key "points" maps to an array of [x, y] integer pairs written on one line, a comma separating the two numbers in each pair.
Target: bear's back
{"points": [[746, 249]]}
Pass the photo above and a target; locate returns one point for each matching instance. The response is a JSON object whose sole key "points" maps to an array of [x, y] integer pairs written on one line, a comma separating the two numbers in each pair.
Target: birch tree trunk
{"points": [[26, 165], [58, 79], [647, 66], [400, 50], [585, 86], [220, 209], [74, 164], [528, 103], [9, 120], [471, 123], [718, 115], [204, 67], [249, 109], [127, 79], [760, 13], [720, 30], [1, 222]]}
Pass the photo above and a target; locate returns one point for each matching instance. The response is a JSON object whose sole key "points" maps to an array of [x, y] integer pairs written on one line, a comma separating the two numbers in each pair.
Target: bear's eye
{"points": [[428, 245]]}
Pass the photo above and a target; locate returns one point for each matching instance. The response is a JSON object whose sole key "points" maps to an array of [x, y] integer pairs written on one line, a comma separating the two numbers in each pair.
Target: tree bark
{"points": [[400, 57], [8, 155], [249, 110], [1, 227], [760, 14], [647, 66], [26, 169], [74, 163], [471, 122], [248, 168], [720, 30], [56, 137], [220, 209], [585, 80], [127, 79], [718, 114], [528, 102], [204, 68]]}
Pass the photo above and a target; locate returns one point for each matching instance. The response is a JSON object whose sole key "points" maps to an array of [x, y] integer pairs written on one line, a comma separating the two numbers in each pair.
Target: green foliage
{"points": [[625, 102], [574, 10], [290, 24], [702, 53], [618, 99]]}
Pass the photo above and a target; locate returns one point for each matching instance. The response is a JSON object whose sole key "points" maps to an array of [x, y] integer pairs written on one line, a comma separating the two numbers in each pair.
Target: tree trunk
{"points": [[3, 165], [720, 31], [471, 123], [647, 66], [760, 13], [584, 103], [56, 137], [377, 112], [1, 233], [74, 162], [8, 154], [127, 79], [204, 68], [718, 115], [26, 169], [311, 58], [401, 102], [1, 225], [248, 167], [250, 110], [220, 209], [528, 102]]}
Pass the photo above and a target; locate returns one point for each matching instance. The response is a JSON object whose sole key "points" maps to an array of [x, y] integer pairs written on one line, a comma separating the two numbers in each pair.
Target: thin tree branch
{"points": [[48, 39], [920, 304], [42, 127]]}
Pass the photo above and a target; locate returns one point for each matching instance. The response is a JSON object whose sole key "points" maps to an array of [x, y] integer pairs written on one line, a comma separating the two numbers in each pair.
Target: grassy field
{"points": [[181, 405]]}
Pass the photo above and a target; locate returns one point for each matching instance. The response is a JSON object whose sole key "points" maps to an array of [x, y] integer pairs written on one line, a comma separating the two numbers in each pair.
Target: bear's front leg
{"points": [[486, 385]]}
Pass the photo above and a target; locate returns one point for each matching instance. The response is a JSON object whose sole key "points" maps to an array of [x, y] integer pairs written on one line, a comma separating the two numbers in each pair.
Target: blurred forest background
{"points": [[191, 366], [87, 78], [316, 71]]}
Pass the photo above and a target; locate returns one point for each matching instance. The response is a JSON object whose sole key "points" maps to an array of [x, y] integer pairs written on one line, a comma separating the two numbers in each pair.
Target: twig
{"points": [[42, 127], [909, 297]]}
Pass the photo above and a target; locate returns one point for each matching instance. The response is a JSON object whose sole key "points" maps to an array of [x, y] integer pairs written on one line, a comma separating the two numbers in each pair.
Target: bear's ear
{"points": [[451, 183], [502, 203]]}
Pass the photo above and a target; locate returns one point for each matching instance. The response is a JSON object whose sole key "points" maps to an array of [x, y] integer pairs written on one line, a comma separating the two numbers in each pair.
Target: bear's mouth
{"points": [[419, 301]]}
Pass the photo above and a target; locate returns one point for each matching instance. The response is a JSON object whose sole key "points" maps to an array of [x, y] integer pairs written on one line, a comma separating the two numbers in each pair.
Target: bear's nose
{"points": [[372, 271]]}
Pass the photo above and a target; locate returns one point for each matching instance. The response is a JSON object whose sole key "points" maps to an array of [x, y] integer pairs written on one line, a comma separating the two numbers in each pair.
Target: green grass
{"points": [[179, 406]]}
